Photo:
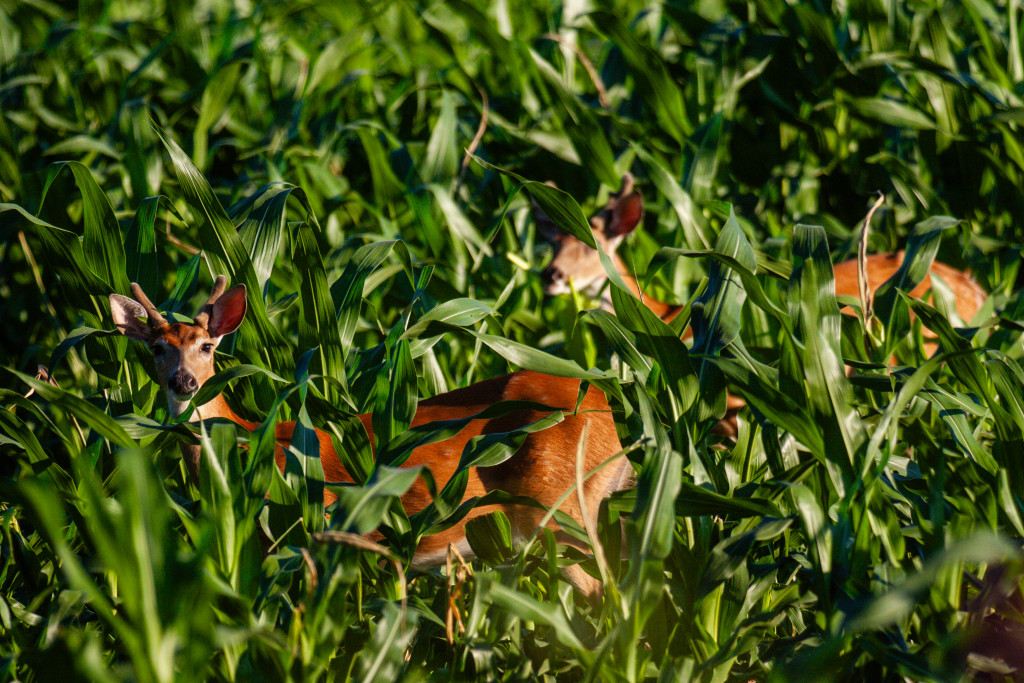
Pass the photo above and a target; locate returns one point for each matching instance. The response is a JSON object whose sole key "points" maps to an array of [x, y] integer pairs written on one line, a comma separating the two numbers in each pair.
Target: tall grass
{"points": [[365, 169]]}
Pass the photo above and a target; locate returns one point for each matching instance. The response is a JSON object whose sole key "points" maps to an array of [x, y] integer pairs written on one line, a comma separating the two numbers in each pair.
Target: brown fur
{"points": [[575, 262], [543, 468], [968, 296]]}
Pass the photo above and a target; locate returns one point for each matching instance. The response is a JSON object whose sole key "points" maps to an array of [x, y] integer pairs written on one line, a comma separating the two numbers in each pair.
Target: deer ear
{"points": [[228, 312], [626, 215], [126, 313]]}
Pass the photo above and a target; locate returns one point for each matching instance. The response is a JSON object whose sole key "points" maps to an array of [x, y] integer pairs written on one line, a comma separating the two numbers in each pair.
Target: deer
{"points": [[574, 264], [968, 296], [543, 468]]}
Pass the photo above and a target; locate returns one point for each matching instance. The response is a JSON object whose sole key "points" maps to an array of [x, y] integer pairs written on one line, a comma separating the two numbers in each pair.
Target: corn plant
{"points": [[366, 169]]}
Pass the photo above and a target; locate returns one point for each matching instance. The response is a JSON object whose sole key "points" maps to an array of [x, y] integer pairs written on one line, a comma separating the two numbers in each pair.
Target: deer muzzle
{"points": [[183, 383], [555, 281]]}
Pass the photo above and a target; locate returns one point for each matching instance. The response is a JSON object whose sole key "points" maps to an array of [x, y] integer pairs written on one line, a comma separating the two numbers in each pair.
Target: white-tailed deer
{"points": [[576, 262], [968, 296], [543, 469]]}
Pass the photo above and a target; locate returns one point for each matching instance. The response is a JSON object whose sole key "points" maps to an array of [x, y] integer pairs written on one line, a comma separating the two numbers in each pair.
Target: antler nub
{"points": [[155, 319], [627, 185], [203, 319]]}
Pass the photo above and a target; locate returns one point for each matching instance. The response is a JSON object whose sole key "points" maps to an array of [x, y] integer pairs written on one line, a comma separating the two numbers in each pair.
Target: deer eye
{"points": [[206, 348]]}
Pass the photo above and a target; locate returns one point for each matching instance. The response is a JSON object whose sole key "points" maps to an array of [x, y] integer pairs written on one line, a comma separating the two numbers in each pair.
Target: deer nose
{"points": [[182, 383], [551, 275]]}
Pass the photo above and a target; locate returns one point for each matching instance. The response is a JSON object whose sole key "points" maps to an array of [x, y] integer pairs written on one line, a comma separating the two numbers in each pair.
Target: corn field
{"points": [[366, 169]]}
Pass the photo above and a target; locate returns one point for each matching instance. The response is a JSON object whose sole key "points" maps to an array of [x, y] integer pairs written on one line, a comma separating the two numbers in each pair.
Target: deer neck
{"points": [[215, 407]]}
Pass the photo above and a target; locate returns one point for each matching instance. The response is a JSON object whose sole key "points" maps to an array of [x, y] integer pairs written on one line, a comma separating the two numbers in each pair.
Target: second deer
{"points": [[575, 262]]}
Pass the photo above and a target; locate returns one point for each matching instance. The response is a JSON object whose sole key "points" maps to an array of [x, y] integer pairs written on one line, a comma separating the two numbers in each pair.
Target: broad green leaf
{"points": [[347, 291], [813, 309], [490, 537], [899, 602], [893, 112], [527, 608], [318, 325], [383, 658], [396, 397], [142, 263], [64, 255], [102, 243], [456, 312], [694, 226], [265, 224], [361, 509], [95, 418], [212, 107], [441, 161], [654, 82]]}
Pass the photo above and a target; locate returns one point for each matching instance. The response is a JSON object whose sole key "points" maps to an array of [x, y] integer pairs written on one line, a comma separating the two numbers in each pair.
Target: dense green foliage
{"points": [[359, 166]]}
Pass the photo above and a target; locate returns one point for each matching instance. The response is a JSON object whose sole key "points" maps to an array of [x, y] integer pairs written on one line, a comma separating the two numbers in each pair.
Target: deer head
{"points": [[575, 261], [182, 352]]}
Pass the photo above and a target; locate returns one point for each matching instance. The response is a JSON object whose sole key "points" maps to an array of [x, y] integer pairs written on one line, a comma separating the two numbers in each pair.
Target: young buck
{"points": [[576, 262], [543, 468]]}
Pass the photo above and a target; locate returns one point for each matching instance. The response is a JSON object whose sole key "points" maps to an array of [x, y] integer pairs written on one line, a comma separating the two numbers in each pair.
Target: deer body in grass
{"points": [[543, 468], [576, 263]]}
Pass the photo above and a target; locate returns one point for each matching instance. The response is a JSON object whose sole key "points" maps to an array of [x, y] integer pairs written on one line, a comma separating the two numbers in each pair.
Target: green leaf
{"points": [[813, 309], [40, 461], [318, 324], [893, 113], [526, 608], [696, 500], [455, 313], [361, 509], [265, 224], [216, 384], [102, 243], [142, 263], [695, 228], [441, 161], [654, 83], [897, 603], [653, 519], [490, 537], [396, 399], [347, 291], [92, 416], [383, 657], [386, 186], [65, 257], [716, 313], [212, 106]]}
